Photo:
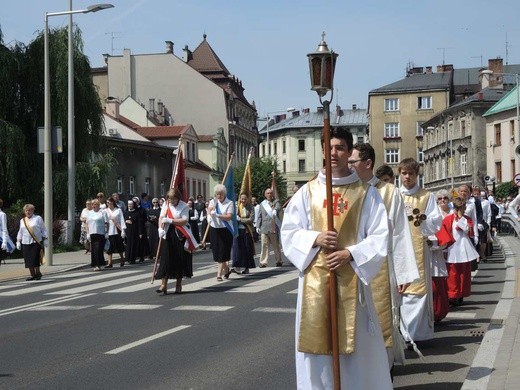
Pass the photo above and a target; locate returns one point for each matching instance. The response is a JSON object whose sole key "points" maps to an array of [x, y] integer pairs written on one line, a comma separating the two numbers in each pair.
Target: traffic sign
{"points": [[516, 180]]}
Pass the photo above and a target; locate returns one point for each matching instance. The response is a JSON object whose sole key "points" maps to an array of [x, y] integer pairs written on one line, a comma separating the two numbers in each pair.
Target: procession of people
{"points": [[402, 256]]}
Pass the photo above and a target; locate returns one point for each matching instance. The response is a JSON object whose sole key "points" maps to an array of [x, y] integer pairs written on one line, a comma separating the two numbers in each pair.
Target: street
{"points": [[82, 329]]}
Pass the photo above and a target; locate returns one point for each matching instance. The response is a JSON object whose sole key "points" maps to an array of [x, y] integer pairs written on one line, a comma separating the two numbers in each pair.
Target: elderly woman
{"points": [[439, 272], [97, 227], [116, 232], [220, 210], [83, 236], [246, 245], [172, 259], [31, 238]]}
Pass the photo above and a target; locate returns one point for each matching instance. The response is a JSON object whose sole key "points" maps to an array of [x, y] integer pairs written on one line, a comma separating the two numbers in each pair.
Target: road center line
{"points": [[146, 340]]}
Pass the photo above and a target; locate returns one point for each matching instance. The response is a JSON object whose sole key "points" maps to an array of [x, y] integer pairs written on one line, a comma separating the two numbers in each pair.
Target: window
{"points": [[275, 147], [120, 185], [512, 131], [162, 186], [462, 129], [419, 130], [269, 148], [360, 139], [301, 145], [188, 155], [392, 156], [498, 170], [498, 135], [147, 185], [463, 164], [284, 166], [131, 185], [283, 146], [199, 188], [392, 104], [193, 155], [301, 166], [424, 102], [420, 155], [263, 149], [193, 187], [392, 130], [204, 194]]}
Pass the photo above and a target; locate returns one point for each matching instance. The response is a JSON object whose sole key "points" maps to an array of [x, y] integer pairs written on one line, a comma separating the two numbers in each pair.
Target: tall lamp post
{"points": [[47, 139], [322, 64]]}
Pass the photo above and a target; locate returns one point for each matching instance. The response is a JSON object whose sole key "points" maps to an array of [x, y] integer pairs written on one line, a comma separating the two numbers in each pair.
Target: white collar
{"points": [[411, 191], [339, 181]]}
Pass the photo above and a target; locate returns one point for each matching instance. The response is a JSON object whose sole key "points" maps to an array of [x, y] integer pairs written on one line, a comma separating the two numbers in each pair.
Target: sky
{"points": [[265, 42]]}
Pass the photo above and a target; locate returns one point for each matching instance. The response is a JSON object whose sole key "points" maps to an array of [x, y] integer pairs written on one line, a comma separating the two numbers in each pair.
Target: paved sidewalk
{"points": [[15, 269]]}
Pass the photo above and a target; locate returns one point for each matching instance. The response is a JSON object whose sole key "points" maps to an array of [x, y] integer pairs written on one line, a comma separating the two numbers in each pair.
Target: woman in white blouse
{"points": [[25, 241], [83, 236], [116, 232], [220, 210], [97, 227]]}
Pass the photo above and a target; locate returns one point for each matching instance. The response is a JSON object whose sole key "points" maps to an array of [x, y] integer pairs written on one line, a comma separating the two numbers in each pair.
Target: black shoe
{"points": [[245, 272], [226, 275], [38, 276], [279, 264], [108, 266], [263, 265], [31, 278], [234, 271]]}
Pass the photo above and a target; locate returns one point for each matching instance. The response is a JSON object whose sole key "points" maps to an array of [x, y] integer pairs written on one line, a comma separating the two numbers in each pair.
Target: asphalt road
{"points": [[111, 330]]}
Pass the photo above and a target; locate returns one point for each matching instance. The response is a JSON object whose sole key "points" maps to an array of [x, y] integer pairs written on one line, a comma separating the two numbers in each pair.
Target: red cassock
{"points": [[459, 273]]}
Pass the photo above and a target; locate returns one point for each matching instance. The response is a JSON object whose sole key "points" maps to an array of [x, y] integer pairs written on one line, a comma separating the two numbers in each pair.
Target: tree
{"points": [[22, 111], [503, 190], [261, 177]]}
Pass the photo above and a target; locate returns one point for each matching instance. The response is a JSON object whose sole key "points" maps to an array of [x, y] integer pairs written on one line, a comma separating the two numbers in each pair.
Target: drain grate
{"points": [[476, 333]]}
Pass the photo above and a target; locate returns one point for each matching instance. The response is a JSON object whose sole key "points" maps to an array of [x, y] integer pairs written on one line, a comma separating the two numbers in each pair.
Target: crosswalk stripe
{"points": [[41, 303], [264, 284], [146, 340], [59, 308], [97, 286], [130, 307], [275, 310], [51, 286], [461, 316], [202, 308]]}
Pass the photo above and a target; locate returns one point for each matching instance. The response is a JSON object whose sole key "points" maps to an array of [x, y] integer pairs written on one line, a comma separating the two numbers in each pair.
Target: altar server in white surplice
{"points": [[425, 219], [355, 253]]}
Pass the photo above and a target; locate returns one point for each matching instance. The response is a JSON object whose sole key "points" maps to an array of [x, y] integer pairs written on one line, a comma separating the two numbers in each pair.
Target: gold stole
{"points": [[417, 201], [380, 285], [315, 328]]}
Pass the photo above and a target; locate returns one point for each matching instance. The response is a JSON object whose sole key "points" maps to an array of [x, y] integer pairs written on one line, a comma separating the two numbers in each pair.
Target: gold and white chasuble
{"points": [[315, 333]]}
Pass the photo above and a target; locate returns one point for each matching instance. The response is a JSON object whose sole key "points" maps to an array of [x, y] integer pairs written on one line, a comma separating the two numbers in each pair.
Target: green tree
{"points": [[261, 177], [503, 190], [22, 111]]}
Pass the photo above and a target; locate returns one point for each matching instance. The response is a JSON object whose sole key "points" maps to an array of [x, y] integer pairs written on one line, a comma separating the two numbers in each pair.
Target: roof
{"points": [[206, 138], [508, 102], [417, 82], [204, 59], [161, 132], [347, 117]]}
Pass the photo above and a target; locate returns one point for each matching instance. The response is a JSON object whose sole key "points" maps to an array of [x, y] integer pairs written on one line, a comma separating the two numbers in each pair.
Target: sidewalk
{"points": [[15, 269]]}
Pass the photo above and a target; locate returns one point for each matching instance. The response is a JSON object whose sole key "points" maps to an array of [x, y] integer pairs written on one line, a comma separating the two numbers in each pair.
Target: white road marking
{"points": [[146, 340], [42, 303], [59, 308], [50, 286], [275, 310], [202, 308], [265, 284], [130, 307], [96, 286], [461, 316]]}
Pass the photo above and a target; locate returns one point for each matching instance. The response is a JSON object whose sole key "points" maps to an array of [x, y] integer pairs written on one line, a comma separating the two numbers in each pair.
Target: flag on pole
{"points": [[230, 189], [245, 188], [179, 175], [277, 220], [273, 186]]}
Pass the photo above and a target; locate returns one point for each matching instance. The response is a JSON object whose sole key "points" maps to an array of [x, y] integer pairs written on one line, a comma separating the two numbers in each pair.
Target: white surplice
{"points": [[417, 310], [357, 370], [402, 265]]}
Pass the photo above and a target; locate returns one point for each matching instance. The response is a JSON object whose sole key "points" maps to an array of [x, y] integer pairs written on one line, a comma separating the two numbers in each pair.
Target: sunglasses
{"points": [[443, 198]]}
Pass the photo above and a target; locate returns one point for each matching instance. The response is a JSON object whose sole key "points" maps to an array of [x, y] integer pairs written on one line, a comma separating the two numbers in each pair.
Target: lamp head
{"points": [[98, 7], [322, 64]]}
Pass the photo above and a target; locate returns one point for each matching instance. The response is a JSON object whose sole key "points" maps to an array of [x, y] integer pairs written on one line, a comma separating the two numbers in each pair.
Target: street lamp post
{"points": [[322, 64], [47, 138]]}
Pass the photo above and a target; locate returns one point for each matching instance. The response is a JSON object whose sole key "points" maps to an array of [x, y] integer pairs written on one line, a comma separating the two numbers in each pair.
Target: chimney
{"points": [[319, 110], [295, 114], [169, 47], [338, 110], [354, 106], [306, 110], [496, 66], [444, 68], [112, 107], [428, 70], [188, 55], [105, 58], [484, 77]]}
